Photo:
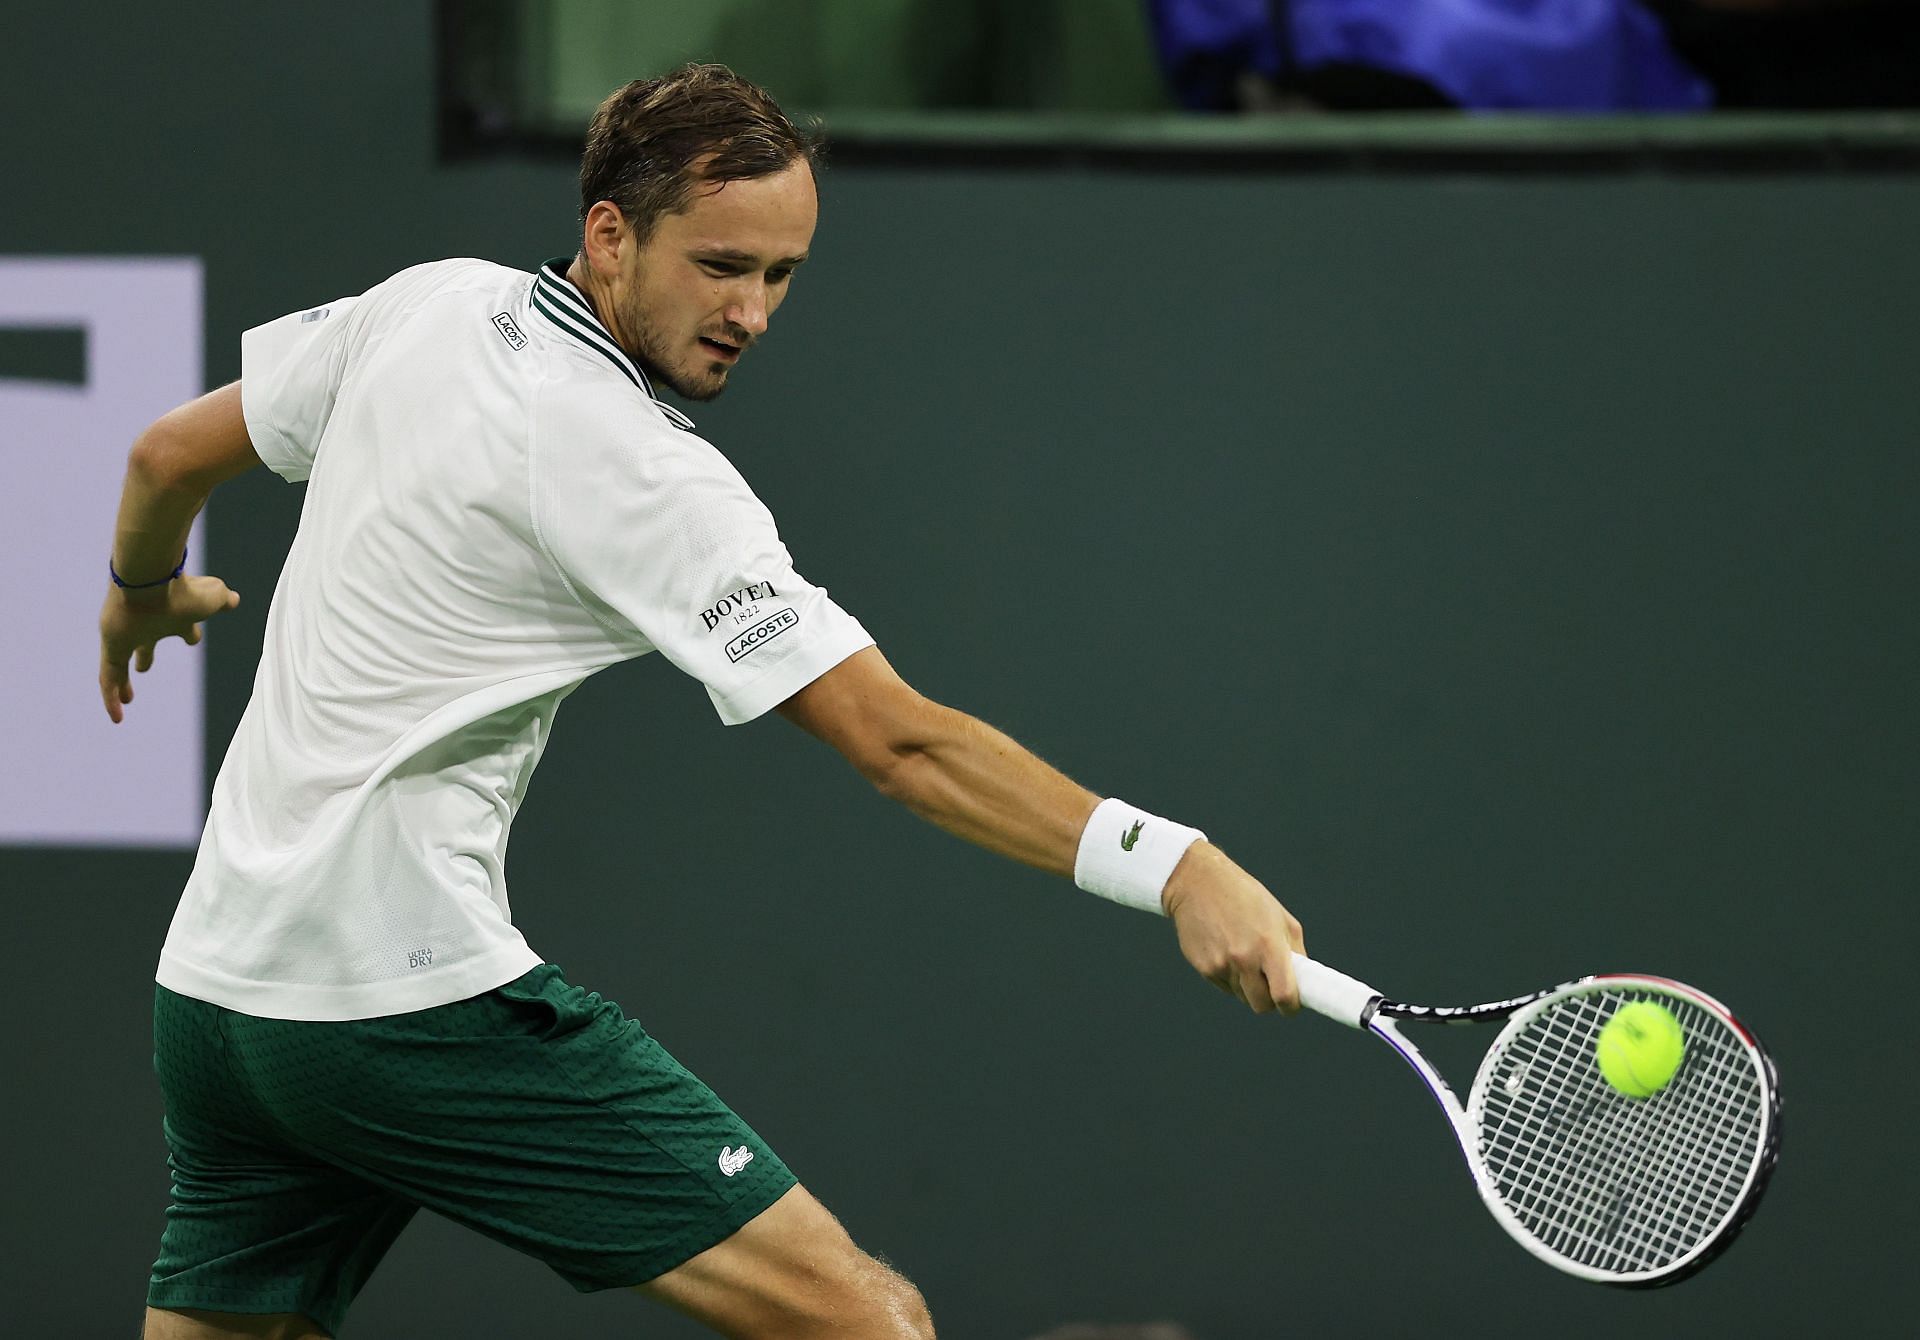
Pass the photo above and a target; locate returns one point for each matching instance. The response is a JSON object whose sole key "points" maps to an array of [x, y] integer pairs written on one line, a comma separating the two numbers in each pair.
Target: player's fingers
{"points": [[210, 595], [1253, 990], [109, 693], [143, 659], [115, 688], [1281, 983], [192, 636]]}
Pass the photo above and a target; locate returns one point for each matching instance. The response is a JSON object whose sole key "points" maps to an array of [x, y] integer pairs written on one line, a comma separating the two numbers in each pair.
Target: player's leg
{"points": [[262, 1237], [793, 1273], [540, 1115], [195, 1324]]}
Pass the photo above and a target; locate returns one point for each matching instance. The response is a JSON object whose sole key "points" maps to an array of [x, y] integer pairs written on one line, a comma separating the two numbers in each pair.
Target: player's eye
{"points": [[779, 276], [720, 268]]}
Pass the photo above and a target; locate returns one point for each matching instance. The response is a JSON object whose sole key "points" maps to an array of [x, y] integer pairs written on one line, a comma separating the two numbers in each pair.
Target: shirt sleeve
{"points": [[290, 372], [660, 536]]}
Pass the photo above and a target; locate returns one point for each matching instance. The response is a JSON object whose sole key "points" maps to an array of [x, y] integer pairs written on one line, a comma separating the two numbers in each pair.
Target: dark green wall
{"points": [[1516, 574]]}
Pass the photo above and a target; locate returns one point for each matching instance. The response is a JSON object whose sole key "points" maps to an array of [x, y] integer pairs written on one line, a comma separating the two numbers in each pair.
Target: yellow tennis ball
{"points": [[1641, 1048]]}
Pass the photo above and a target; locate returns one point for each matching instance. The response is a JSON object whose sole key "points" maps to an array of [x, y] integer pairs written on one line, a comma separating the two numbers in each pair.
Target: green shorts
{"points": [[537, 1114]]}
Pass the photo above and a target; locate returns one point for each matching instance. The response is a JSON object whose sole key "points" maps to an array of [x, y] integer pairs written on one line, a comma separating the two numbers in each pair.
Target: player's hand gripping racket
{"points": [[1608, 1187]]}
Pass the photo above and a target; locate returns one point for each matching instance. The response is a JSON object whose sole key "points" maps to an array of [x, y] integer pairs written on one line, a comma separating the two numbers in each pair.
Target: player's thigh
{"points": [[256, 1227], [197, 1324], [540, 1115], [788, 1271]]}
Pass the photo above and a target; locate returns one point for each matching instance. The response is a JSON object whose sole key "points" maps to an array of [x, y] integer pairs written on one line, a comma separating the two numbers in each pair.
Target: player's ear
{"points": [[606, 236]]}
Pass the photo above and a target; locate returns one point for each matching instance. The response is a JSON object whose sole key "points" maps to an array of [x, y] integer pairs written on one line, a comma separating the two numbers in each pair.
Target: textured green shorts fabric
{"points": [[536, 1113]]}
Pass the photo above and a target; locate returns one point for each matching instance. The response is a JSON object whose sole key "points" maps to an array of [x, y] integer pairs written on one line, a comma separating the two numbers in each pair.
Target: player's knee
{"points": [[794, 1274], [857, 1295], [911, 1319], [895, 1308], [861, 1297], [879, 1306]]}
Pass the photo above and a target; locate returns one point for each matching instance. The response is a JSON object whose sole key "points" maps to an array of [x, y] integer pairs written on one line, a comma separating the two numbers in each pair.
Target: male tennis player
{"points": [[347, 1024]]}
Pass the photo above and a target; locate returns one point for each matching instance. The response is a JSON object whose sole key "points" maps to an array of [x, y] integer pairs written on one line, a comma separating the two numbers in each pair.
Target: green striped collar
{"points": [[554, 297]]}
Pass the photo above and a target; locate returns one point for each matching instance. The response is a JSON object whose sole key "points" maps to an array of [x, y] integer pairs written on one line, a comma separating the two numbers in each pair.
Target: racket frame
{"points": [[1350, 1001]]}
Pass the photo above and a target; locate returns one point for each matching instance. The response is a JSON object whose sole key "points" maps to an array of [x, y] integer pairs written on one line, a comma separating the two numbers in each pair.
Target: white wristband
{"points": [[1128, 855]]}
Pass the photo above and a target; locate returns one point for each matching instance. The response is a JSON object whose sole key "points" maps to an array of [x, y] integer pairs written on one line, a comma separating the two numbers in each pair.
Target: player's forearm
{"points": [[173, 467], [157, 508], [979, 784]]}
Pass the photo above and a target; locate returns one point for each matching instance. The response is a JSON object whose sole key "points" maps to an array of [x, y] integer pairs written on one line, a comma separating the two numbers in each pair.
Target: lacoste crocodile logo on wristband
{"points": [[733, 1160], [1132, 836]]}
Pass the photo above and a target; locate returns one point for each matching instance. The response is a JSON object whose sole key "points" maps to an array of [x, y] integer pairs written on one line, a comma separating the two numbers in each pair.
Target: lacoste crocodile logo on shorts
{"points": [[733, 1160]]}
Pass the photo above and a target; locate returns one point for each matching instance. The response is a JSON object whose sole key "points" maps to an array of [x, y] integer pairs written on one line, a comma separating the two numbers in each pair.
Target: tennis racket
{"points": [[1630, 1191]]}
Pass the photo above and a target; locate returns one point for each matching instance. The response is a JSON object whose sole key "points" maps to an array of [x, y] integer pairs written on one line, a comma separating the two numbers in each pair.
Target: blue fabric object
{"points": [[126, 585], [1547, 55], [1205, 45]]}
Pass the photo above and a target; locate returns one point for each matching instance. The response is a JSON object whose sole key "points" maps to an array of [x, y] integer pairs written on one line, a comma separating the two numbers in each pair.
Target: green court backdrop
{"points": [[1516, 573]]}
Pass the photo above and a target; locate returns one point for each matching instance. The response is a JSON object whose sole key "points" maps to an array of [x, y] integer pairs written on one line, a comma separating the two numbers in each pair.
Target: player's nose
{"points": [[750, 313]]}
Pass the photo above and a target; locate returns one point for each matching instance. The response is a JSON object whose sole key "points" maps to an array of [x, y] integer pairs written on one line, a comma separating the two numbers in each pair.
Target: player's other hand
{"points": [[132, 623], [1233, 932]]}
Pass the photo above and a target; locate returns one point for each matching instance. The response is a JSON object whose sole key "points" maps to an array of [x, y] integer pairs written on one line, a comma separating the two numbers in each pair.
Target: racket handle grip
{"points": [[1325, 990]]}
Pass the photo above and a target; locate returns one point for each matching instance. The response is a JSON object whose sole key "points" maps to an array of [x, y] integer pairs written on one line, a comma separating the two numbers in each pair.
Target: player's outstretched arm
{"points": [[173, 467], [977, 783]]}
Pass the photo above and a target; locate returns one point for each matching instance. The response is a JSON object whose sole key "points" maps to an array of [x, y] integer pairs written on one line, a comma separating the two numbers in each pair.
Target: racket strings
{"points": [[1578, 1222], [1653, 1143], [1670, 1144], [1576, 1225], [1619, 1184]]}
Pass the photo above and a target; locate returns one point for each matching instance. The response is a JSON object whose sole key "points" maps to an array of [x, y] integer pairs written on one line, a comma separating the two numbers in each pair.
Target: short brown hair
{"points": [[650, 143]]}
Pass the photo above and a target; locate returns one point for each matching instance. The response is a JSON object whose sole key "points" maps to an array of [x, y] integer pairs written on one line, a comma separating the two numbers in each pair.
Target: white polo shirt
{"points": [[496, 508]]}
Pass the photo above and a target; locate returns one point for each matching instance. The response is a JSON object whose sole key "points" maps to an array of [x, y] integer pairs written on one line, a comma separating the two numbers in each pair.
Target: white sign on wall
{"points": [[68, 775]]}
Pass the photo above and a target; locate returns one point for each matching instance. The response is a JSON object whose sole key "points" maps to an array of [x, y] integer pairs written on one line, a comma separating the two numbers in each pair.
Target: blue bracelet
{"points": [[126, 585]]}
